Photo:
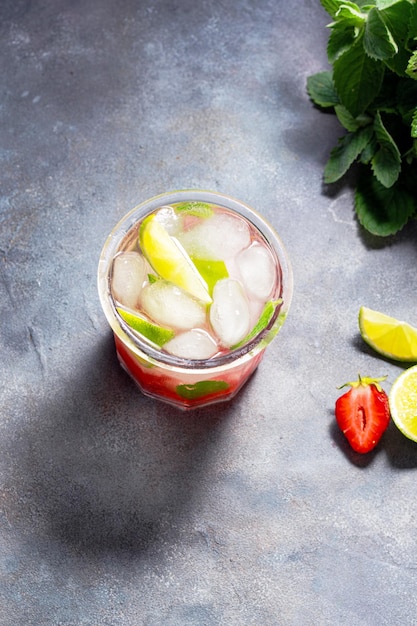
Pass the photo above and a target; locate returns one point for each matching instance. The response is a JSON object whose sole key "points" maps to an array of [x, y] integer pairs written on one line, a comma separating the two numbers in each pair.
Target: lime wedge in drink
{"points": [[157, 334], [197, 209], [403, 402], [169, 259], [211, 271], [388, 336], [262, 323]]}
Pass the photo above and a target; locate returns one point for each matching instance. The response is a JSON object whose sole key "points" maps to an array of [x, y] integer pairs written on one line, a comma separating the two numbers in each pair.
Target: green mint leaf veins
{"points": [[321, 89], [378, 40], [372, 89], [382, 211], [345, 153], [386, 163], [358, 78], [202, 388]]}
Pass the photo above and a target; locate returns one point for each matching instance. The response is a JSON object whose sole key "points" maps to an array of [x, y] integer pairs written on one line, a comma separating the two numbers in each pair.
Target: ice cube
{"points": [[217, 238], [168, 305], [129, 272], [257, 270], [192, 344], [169, 220], [229, 313]]}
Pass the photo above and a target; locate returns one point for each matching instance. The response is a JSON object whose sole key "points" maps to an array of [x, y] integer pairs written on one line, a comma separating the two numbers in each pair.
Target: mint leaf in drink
{"points": [[382, 211], [202, 388], [386, 162], [198, 209], [346, 152], [357, 78], [321, 89]]}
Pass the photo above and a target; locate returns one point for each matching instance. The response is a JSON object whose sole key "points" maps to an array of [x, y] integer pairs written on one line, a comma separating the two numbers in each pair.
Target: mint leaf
{"points": [[202, 388], [397, 19], [350, 14], [414, 125], [380, 210], [378, 41], [357, 78], [345, 153], [340, 39], [321, 89], [407, 99], [411, 70], [386, 163], [348, 121], [331, 6]]}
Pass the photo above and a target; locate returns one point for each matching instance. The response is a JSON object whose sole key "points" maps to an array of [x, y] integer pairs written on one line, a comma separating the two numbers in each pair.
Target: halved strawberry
{"points": [[363, 413]]}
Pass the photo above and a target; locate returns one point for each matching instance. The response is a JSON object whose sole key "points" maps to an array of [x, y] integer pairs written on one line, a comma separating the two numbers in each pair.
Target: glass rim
{"points": [[144, 348]]}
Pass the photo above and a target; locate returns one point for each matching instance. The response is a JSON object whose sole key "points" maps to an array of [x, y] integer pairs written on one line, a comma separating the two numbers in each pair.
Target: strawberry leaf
{"points": [[380, 210], [345, 153], [386, 163], [357, 78], [321, 89]]}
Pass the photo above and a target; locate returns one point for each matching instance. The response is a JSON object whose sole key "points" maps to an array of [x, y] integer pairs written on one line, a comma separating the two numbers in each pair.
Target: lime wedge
{"points": [[403, 402], [197, 209], [388, 336], [169, 259], [263, 321], [157, 334], [211, 271]]}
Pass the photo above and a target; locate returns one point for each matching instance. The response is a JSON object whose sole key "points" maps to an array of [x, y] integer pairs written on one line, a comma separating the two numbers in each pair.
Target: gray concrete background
{"points": [[115, 509]]}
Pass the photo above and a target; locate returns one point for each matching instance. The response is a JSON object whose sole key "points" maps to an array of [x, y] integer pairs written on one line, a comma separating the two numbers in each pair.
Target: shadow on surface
{"points": [[102, 469]]}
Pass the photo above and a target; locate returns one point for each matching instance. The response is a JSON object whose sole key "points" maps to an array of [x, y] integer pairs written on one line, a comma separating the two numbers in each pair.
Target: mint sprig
{"points": [[372, 89]]}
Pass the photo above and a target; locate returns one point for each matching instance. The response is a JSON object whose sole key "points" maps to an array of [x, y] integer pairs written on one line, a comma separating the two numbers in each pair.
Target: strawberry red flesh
{"points": [[363, 414]]}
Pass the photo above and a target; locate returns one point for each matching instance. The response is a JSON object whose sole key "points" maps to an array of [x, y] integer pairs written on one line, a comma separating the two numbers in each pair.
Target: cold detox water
{"points": [[195, 285]]}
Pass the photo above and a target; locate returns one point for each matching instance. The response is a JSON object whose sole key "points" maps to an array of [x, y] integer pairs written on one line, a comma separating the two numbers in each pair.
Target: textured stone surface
{"points": [[114, 509]]}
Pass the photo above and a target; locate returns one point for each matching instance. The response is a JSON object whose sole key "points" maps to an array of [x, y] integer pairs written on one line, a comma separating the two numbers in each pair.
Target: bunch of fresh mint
{"points": [[372, 88]]}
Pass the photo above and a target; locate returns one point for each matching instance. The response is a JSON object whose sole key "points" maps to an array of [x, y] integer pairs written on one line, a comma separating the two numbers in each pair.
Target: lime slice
{"points": [[263, 321], [197, 209], [211, 271], [403, 402], [388, 336], [169, 259], [157, 334]]}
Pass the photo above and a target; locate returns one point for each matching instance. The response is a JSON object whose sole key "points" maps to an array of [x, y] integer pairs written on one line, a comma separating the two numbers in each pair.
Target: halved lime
{"points": [[169, 259], [157, 334], [403, 402], [388, 336]]}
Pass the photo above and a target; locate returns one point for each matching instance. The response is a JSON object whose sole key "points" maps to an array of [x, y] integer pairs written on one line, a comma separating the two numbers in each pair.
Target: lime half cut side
{"points": [[169, 259], [390, 337], [403, 402]]}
